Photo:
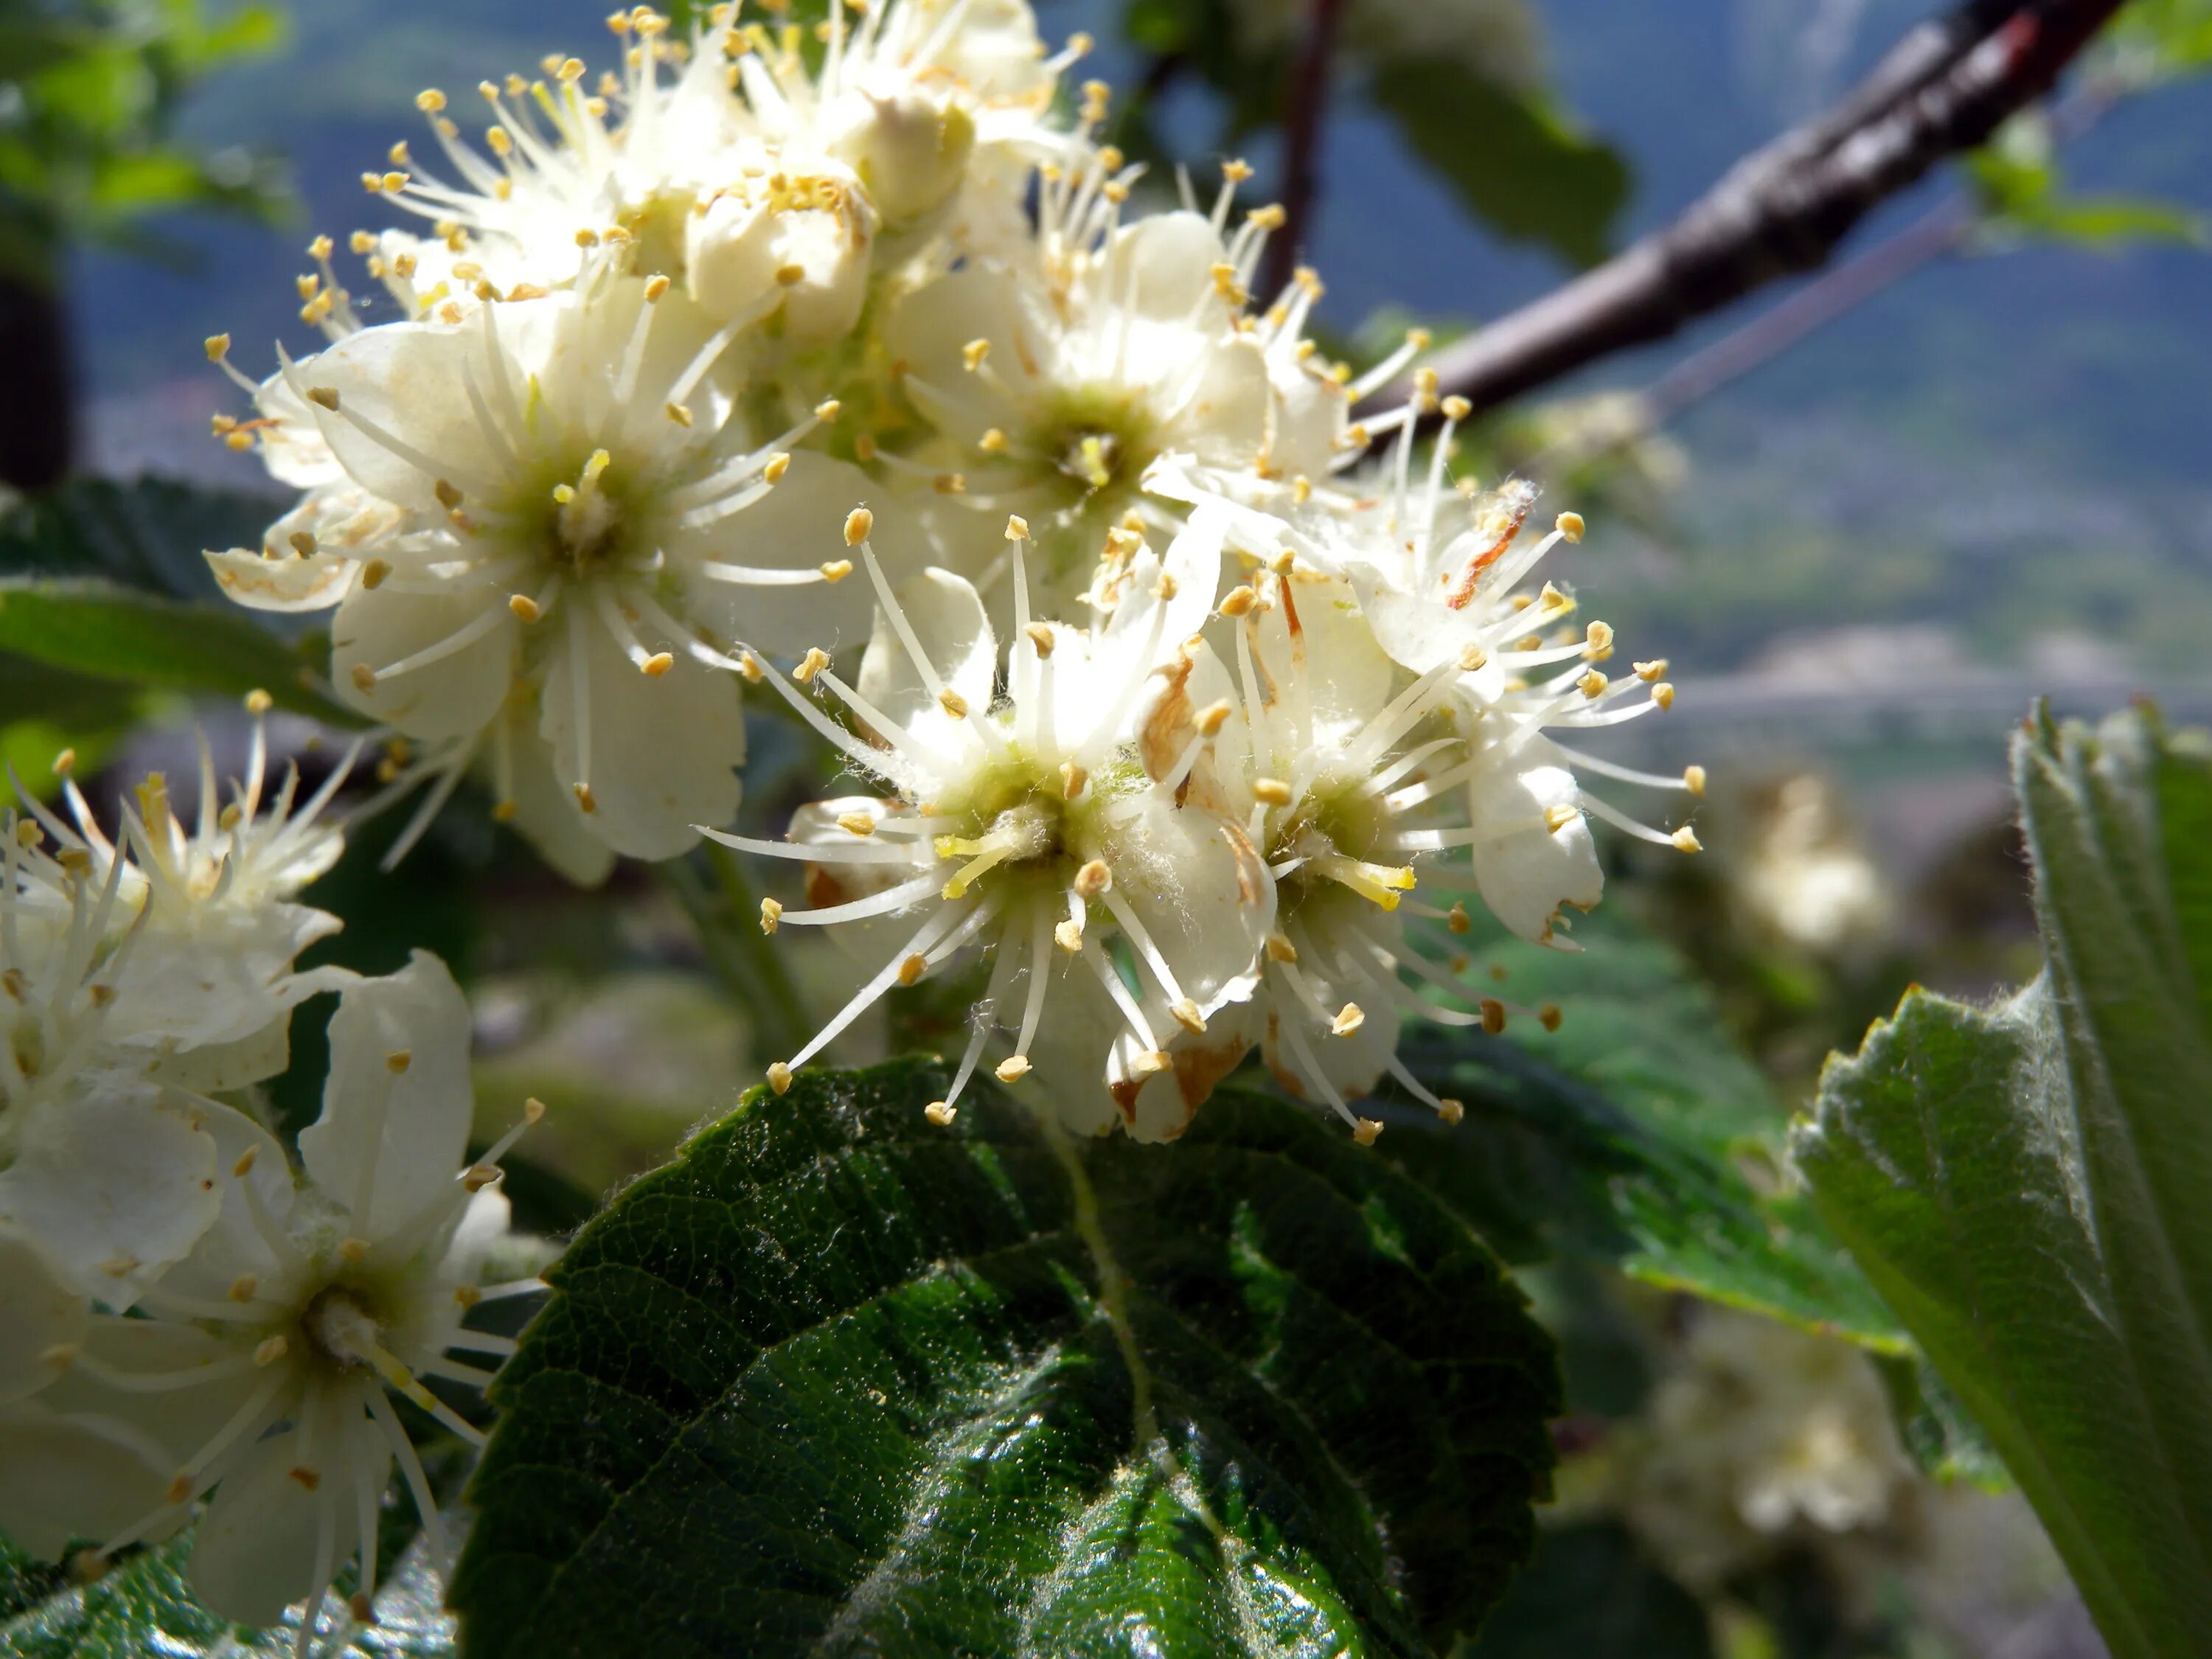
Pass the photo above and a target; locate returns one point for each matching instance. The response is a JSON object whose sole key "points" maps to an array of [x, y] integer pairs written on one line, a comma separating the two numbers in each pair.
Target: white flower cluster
{"points": [[1168, 693], [182, 1313]]}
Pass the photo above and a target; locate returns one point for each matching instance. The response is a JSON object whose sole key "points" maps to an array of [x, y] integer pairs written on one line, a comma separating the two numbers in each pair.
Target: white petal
{"points": [[800, 524], [1201, 892], [454, 695], [40, 1310], [948, 622], [410, 1126], [287, 585], [929, 331], [62, 1481], [1526, 877], [405, 378], [255, 1554], [665, 748], [546, 814], [233, 1244], [114, 1184]]}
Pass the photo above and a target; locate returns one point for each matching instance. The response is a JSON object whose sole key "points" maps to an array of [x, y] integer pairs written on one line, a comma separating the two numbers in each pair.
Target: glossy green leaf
{"points": [[2026, 1183], [1637, 1132], [1512, 156], [839, 1382]]}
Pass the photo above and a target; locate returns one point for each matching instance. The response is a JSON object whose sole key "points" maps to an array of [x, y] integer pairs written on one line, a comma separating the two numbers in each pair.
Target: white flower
{"points": [[1032, 826], [1760, 1433], [129, 988], [759, 184], [1055, 374], [261, 1369], [208, 983], [572, 515], [1331, 768], [1440, 578]]}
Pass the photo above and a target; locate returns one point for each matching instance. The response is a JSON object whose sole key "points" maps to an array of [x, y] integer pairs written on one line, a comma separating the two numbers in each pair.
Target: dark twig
{"points": [[1305, 104], [1944, 88]]}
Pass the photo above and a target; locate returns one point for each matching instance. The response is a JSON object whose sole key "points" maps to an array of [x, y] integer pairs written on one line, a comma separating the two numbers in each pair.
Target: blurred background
{"points": [[1865, 551]]}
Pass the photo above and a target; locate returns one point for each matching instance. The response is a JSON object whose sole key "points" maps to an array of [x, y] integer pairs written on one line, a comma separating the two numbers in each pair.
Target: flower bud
{"points": [[909, 152], [805, 251]]}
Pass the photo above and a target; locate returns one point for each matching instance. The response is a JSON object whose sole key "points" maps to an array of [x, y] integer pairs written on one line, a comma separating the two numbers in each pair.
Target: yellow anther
{"points": [[243, 1287], [1457, 919], [1366, 1131], [1012, 1070], [1239, 600], [813, 663], [1493, 1015], [1072, 778], [974, 354], [587, 802], [1093, 879], [1187, 1016], [245, 1164], [1571, 526], [1592, 684], [1068, 937], [1686, 840], [1694, 780], [771, 912], [524, 608], [836, 570], [1041, 638], [779, 1078], [912, 970], [993, 442], [952, 703], [1274, 791], [1559, 816], [1349, 1019], [323, 396], [856, 823], [1017, 528], [1471, 658], [941, 1113], [1279, 948], [656, 664], [1649, 672], [363, 677], [679, 413], [1152, 1063], [1214, 715], [1663, 695], [790, 276], [778, 465], [1597, 641], [857, 523], [398, 1061]]}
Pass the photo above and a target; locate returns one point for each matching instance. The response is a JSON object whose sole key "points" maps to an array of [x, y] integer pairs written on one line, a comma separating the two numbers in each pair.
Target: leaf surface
{"points": [[839, 1382]]}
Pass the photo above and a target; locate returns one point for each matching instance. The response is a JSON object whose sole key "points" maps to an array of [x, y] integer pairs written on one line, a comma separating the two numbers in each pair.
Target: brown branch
{"points": [[1943, 89], [1305, 101]]}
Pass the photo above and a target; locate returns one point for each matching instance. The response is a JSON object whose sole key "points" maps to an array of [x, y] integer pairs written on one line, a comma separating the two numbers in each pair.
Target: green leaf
{"points": [[1510, 153], [148, 533], [143, 1606], [2026, 1183], [839, 1382], [1591, 1593], [1635, 1132], [94, 627]]}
